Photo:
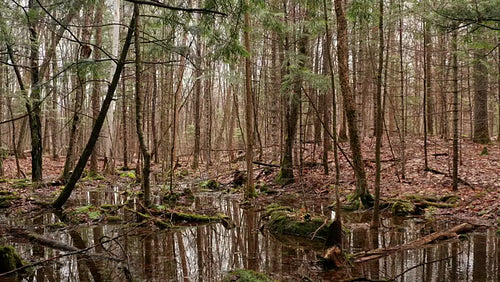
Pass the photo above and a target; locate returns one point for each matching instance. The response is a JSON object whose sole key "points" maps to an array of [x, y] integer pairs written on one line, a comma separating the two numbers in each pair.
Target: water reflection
{"points": [[207, 252]]}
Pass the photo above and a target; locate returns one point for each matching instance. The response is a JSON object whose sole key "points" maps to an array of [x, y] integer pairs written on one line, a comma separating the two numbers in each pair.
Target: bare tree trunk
{"points": [[96, 89], [334, 104], [378, 117], [402, 97], [34, 110], [124, 124], [425, 104], [250, 189], [197, 95], [54, 125], [498, 88], [153, 115], [349, 106], [175, 116], [146, 166], [81, 76], [77, 173], [455, 110], [480, 75], [428, 78]]}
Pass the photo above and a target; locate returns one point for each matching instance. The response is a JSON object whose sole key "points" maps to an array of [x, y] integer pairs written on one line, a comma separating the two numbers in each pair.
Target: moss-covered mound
{"points": [[244, 275], [283, 220], [9, 259]]}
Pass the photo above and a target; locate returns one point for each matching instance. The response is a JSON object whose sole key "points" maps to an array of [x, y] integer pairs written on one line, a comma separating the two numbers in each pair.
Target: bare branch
{"points": [[188, 10]]}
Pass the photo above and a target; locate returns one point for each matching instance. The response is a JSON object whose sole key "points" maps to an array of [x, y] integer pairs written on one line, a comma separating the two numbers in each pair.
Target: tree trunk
{"points": [[378, 117], [402, 97], [349, 106], [146, 165], [292, 105], [480, 76], [124, 124], [250, 189], [34, 110], [96, 89], [54, 125], [77, 173], [455, 111], [81, 76], [428, 78], [197, 96]]}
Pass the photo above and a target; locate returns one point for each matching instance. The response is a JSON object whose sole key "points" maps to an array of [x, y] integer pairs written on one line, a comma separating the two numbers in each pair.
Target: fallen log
{"points": [[434, 237]]}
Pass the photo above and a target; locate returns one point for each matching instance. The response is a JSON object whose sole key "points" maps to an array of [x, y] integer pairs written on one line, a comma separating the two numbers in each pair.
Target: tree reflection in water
{"points": [[207, 252]]}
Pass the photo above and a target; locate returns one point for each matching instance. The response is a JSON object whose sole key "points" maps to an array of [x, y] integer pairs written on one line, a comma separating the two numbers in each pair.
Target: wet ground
{"points": [[207, 252]]}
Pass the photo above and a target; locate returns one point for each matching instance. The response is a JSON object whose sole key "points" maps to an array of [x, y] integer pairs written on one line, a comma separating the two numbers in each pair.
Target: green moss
{"points": [[401, 207], [114, 219], [245, 275], [452, 199], [129, 174], [283, 180], [182, 173], [108, 207], [94, 176], [9, 259], [6, 201], [21, 183], [56, 225], [283, 221], [194, 217], [210, 184], [484, 152]]}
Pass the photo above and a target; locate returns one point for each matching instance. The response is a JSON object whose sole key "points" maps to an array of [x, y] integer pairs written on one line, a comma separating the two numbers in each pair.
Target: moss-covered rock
{"points": [[284, 221], [401, 207], [244, 275], [9, 259]]}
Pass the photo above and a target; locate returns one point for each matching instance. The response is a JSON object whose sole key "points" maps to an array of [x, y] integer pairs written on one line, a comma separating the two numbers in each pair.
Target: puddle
{"points": [[207, 252]]}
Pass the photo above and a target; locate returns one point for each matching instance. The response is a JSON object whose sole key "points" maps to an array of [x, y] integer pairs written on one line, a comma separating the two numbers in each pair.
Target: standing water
{"points": [[207, 252]]}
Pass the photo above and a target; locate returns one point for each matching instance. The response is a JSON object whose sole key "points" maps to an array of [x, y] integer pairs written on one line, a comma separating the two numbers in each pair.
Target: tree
{"points": [[349, 107], [250, 189], [77, 172], [480, 77], [455, 110], [146, 155], [379, 116]]}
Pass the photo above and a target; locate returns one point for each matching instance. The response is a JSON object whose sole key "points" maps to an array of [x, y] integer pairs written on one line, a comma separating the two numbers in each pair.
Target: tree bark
{"points": [[378, 117], [197, 95], [146, 156], [77, 173], [34, 110], [81, 76], [455, 111], [96, 89], [480, 76], [250, 189], [349, 106]]}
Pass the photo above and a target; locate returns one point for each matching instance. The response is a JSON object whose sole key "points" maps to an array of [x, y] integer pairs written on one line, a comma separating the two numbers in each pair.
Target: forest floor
{"points": [[479, 189]]}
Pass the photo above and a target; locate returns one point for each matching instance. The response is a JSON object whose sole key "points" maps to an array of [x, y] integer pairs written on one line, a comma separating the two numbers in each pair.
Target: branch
{"points": [[14, 119], [188, 10]]}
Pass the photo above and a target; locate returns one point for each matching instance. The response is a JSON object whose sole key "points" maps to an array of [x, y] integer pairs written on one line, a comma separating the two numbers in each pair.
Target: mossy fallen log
{"points": [[283, 220], [6, 201]]}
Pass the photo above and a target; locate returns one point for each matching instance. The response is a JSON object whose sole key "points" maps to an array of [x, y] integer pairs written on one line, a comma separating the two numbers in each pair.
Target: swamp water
{"points": [[207, 252]]}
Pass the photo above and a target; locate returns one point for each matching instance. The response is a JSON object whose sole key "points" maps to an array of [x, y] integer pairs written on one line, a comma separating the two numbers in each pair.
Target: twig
{"points": [[319, 228]]}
